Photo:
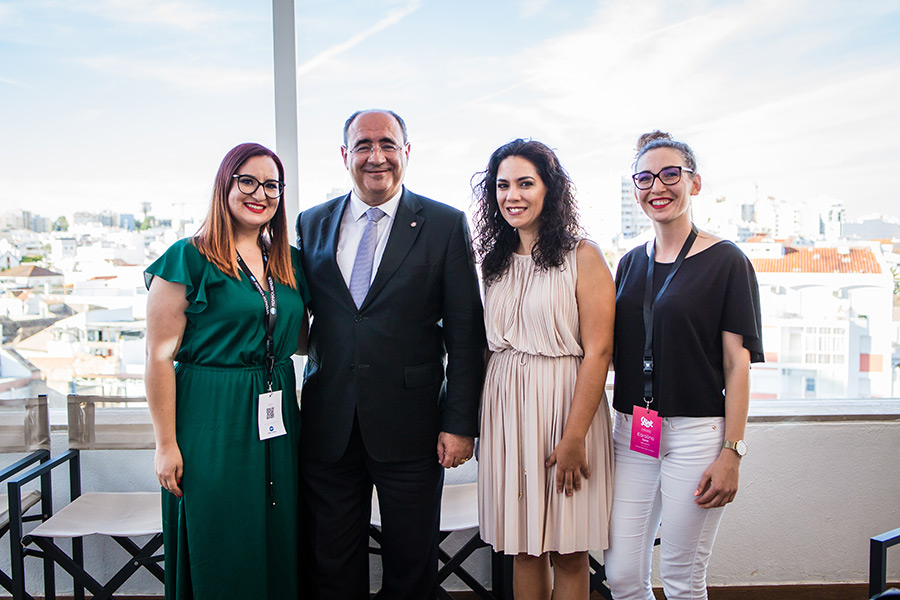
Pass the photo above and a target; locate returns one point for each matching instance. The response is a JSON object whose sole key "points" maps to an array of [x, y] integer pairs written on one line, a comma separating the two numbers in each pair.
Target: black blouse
{"points": [[714, 291]]}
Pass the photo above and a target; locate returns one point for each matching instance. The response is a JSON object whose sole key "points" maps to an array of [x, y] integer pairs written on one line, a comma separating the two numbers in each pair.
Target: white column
{"points": [[286, 128]]}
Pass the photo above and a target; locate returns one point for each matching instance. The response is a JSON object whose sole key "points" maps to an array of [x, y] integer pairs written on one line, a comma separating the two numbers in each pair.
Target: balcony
{"points": [[820, 479]]}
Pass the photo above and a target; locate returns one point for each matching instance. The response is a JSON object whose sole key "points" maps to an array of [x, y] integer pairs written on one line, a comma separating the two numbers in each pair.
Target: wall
{"points": [[812, 494]]}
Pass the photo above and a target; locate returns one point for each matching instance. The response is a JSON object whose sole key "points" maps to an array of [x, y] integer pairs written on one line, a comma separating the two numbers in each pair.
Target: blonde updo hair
{"points": [[661, 139]]}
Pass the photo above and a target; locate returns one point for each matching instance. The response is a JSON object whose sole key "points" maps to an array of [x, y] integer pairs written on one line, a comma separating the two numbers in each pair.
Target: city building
{"points": [[9, 255], [62, 247], [634, 221], [93, 352], [30, 276], [827, 321], [832, 228], [18, 377]]}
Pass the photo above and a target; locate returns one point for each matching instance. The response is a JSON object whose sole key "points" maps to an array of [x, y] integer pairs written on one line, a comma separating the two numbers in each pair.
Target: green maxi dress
{"points": [[232, 534]]}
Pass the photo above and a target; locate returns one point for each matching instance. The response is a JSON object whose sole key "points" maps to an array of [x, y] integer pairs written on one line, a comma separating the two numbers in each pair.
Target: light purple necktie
{"points": [[361, 276]]}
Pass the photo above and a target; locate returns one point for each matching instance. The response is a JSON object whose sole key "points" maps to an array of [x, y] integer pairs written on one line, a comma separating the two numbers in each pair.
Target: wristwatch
{"points": [[739, 446]]}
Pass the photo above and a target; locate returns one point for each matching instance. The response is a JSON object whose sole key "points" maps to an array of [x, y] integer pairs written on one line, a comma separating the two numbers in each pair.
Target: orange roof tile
{"points": [[29, 271], [819, 260]]}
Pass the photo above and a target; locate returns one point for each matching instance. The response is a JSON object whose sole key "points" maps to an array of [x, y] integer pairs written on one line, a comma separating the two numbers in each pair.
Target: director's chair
{"points": [[101, 423]]}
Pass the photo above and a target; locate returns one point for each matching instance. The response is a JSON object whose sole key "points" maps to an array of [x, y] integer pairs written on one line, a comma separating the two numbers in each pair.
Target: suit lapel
{"points": [[329, 232], [406, 227]]}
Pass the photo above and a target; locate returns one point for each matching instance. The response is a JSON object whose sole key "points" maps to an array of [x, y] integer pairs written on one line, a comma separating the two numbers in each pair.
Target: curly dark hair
{"points": [[558, 230]]}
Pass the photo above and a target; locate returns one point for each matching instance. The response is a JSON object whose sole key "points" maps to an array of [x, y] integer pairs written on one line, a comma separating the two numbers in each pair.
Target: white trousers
{"points": [[649, 491]]}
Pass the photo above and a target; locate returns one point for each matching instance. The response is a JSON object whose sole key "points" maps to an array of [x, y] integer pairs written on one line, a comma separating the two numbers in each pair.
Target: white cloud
{"points": [[824, 141], [804, 110], [202, 78], [173, 14], [531, 8], [8, 81], [744, 82], [328, 54], [89, 115]]}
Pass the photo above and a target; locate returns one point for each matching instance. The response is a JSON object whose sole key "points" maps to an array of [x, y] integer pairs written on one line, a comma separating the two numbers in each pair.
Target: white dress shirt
{"points": [[353, 224]]}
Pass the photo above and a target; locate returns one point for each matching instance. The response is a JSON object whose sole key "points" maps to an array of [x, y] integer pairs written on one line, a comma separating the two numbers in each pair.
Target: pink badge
{"points": [[645, 431]]}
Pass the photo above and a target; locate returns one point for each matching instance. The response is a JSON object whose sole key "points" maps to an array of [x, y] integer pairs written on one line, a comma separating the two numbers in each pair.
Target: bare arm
{"points": [[719, 483], [596, 296], [166, 321]]}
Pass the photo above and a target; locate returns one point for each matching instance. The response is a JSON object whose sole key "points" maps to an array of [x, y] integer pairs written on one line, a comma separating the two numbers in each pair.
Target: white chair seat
{"points": [[29, 499], [118, 514], [459, 507]]}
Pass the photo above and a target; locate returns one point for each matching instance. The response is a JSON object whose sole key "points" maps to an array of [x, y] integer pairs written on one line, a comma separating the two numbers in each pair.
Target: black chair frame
{"points": [[878, 546], [14, 583], [74, 564], [453, 565]]}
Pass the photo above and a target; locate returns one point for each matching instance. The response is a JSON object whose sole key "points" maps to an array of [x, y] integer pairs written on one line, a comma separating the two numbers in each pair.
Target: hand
{"points": [[570, 459], [453, 450], [719, 483], [169, 468]]}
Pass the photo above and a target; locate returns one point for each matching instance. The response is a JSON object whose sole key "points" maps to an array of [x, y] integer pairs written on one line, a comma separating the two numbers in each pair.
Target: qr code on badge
{"points": [[270, 412]]}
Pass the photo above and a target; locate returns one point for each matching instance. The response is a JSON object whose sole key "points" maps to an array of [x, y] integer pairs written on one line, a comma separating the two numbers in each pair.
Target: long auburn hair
{"points": [[215, 239], [558, 230]]}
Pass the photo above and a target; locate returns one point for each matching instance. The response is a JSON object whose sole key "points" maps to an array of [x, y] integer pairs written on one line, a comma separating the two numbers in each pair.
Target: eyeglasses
{"points": [[367, 150], [668, 176], [247, 184]]}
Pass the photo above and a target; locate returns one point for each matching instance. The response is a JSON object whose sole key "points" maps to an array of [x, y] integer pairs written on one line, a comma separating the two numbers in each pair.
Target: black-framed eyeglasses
{"points": [[247, 184], [388, 149], [667, 175]]}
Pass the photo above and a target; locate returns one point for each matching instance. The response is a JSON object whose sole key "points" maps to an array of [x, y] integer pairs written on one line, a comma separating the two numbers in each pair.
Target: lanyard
{"points": [[650, 303], [270, 313]]}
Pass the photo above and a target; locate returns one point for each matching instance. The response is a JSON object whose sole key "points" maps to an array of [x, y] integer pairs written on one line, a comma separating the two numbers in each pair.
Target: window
{"points": [[809, 390], [131, 47]]}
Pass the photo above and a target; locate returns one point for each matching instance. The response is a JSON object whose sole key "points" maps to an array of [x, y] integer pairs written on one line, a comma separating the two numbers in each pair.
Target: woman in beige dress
{"points": [[545, 458]]}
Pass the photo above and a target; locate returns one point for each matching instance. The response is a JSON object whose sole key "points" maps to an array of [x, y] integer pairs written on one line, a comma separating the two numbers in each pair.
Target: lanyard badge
{"points": [[646, 426], [646, 423], [269, 419], [269, 416]]}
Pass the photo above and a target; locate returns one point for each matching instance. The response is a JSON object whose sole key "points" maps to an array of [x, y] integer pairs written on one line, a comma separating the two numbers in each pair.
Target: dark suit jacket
{"points": [[386, 360]]}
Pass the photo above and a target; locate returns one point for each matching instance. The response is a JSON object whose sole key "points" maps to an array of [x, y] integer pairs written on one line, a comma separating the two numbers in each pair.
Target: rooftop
{"points": [[820, 260], [29, 271]]}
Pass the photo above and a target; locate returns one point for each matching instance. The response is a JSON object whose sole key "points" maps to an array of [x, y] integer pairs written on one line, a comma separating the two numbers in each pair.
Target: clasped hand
{"points": [[453, 450]]}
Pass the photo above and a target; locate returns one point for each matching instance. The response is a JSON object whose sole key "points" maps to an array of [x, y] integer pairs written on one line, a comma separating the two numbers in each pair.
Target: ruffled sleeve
{"points": [[182, 263], [742, 309]]}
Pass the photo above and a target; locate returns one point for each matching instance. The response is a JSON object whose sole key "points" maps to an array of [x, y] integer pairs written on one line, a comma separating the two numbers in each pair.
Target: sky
{"points": [[108, 104]]}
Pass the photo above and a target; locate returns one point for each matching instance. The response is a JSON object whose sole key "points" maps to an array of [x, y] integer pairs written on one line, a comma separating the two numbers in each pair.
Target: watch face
{"points": [[741, 447]]}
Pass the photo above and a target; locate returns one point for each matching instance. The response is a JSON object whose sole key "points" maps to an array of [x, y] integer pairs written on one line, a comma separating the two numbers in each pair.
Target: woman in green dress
{"points": [[225, 312]]}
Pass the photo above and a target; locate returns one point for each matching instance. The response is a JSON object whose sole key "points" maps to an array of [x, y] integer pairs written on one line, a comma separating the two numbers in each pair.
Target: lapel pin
{"points": [[413, 224]]}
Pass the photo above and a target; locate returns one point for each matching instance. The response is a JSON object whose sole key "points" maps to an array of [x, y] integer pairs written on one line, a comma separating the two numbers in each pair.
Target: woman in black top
{"points": [[681, 392]]}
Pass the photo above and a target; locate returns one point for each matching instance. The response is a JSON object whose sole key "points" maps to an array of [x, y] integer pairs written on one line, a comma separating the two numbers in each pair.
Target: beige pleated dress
{"points": [[533, 333]]}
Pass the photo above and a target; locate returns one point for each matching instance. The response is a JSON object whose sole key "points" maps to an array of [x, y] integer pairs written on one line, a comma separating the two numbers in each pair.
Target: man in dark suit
{"points": [[394, 293]]}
